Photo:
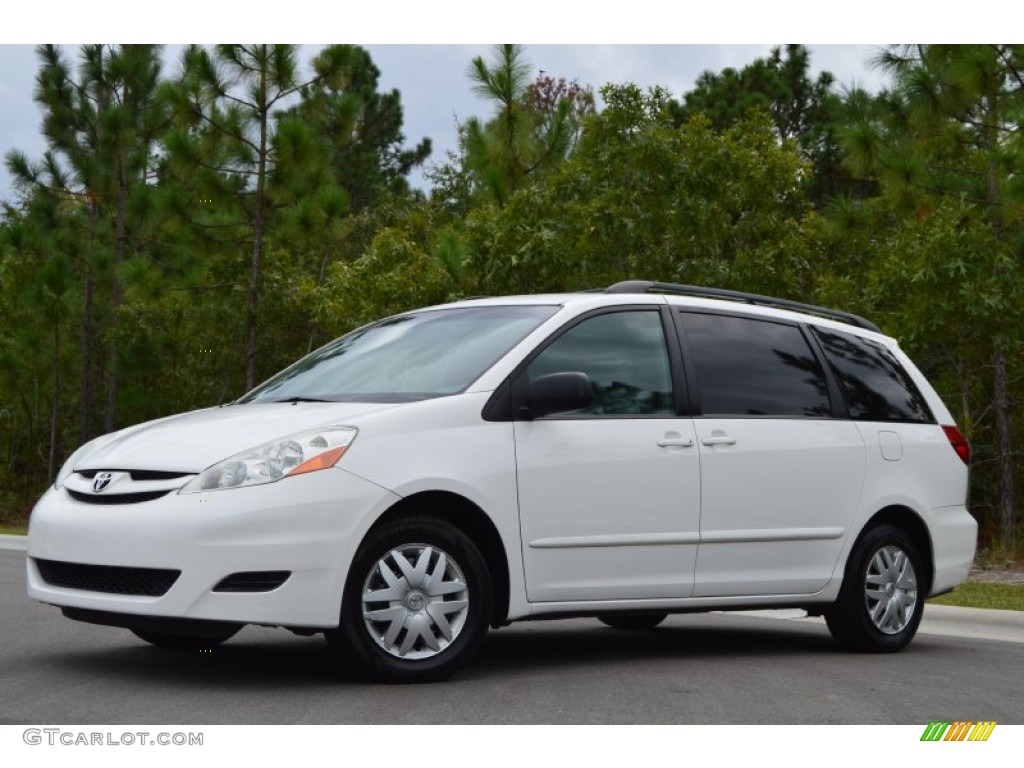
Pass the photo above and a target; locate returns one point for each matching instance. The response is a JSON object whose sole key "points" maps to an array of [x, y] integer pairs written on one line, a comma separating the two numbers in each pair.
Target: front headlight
{"points": [[267, 463]]}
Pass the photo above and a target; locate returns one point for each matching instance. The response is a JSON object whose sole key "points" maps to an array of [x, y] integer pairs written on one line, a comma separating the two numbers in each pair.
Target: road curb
{"points": [[981, 623], [18, 543], [945, 620]]}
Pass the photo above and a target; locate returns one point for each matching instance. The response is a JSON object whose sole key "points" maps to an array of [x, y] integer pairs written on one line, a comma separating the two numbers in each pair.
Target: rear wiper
{"points": [[300, 400]]}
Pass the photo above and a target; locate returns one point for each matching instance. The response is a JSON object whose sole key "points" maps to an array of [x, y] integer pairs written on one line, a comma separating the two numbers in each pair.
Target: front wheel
{"points": [[882, 597], [417, 602]]}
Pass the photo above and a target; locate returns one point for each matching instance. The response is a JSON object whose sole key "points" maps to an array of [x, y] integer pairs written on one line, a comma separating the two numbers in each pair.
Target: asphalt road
{"points": [[700, 668]]}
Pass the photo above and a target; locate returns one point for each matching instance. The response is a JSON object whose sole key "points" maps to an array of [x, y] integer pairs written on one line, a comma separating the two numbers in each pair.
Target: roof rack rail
{"points": [[649, 286]]}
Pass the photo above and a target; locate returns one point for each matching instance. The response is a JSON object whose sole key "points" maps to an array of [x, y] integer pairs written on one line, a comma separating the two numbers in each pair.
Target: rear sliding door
{"points": [[780, 475]]}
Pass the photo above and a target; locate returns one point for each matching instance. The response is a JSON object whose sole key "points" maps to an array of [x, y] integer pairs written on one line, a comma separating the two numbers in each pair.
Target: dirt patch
{"points": [[1011, 575]]}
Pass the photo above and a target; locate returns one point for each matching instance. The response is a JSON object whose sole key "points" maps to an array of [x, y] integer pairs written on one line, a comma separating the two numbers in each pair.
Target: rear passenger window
{"points": [[875, 385], [751, 367]]}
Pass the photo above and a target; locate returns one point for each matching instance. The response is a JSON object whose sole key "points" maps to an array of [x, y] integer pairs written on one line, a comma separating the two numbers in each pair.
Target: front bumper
{"points": [[308, 525]]}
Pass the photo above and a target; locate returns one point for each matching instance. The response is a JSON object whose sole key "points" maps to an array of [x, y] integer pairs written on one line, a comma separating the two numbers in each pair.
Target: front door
{"points": [[609, 497]]}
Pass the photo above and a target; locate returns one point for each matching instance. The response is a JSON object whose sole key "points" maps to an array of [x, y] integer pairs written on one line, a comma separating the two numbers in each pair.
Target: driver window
{"points": [[624, 355]]}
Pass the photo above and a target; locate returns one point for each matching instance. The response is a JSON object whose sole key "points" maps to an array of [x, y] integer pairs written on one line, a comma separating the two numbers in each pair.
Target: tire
{"points": [[882, 596], [417, 602], [633, 621], [184, 642]]}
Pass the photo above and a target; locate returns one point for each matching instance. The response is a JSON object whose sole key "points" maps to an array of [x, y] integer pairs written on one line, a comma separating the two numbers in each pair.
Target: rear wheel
{"points": [[417, 602], [184, 642], [627, 621], [882, 597]]}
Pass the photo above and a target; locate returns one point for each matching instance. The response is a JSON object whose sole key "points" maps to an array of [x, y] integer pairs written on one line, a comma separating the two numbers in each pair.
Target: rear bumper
{"points": [[308, 525], [954, 538]]}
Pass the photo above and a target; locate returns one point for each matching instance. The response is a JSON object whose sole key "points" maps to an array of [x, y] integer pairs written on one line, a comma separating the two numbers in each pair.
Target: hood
{"points": [[190, 442]]}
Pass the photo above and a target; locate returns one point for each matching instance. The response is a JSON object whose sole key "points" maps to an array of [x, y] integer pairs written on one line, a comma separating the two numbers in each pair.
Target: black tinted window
{"points": [[754, 368], [624, 355], [875, 385]]}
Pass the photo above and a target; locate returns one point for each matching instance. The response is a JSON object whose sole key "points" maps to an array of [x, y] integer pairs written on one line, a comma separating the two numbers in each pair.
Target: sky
{"points": [[434, 85], [424, 49]]}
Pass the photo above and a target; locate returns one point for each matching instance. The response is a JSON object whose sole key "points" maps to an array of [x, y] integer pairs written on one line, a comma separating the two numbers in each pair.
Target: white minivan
{"points": [[625, 454]]}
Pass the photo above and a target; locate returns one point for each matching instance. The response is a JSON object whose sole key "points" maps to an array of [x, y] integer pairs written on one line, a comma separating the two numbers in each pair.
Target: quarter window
{"points": [[624, 355], [749, 367], [875, 385]]}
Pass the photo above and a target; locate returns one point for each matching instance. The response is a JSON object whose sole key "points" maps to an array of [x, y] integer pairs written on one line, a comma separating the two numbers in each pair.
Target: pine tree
{"points": [[533, 127], [945, 145], [101, 128], [362, 130], [231, 148]]}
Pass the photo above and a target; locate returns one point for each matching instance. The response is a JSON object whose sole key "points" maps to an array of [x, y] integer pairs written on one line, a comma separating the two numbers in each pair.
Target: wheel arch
{"points": [[914, 526], [475, 523]]}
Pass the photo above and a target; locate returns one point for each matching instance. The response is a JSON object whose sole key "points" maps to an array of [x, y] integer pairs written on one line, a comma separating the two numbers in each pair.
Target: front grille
{"points": [[252, 581], [116, 498], [137, 474], [116, 580]]}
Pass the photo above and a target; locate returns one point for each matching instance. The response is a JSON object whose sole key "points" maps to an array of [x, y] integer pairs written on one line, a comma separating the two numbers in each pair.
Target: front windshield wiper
{"points": [[300, 400]]}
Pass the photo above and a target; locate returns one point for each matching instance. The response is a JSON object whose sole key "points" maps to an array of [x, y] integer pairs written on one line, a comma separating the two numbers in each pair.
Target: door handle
{"points": [[719, 440], [678, 442]]}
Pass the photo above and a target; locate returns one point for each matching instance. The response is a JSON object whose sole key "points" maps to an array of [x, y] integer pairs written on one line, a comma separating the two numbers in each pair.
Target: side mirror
{"points": [[559, 393]]}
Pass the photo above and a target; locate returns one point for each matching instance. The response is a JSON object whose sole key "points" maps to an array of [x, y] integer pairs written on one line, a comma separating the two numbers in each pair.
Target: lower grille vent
{"points": [[116, 498], [252, 581], [116, 580]]}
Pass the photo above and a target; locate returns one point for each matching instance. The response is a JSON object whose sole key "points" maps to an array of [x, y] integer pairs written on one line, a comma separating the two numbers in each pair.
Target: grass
{"points": [[974, 594], [14, 530]]}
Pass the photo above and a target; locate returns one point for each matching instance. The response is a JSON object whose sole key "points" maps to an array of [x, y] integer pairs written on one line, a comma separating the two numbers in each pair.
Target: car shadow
{"points": [[259, 658], [545, 644]]}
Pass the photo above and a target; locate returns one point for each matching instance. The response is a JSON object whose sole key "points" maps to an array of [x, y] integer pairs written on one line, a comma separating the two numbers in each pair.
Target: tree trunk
{"points": [[1007, 511], [116, 294], [1001, 400], [258, 224], [85, 370], [27, 478], [55, 400], [254, 282]]}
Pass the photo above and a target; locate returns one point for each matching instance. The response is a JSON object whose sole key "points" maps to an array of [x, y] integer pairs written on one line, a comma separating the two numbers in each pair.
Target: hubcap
{"points": [[415, 601], [890, 590]]}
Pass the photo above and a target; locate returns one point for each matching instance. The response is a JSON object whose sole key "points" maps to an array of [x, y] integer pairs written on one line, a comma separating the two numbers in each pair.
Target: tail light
{"points": [[959, 443]]}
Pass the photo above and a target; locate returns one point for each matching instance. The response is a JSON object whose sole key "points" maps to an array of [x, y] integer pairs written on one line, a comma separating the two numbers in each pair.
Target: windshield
{"points": [[409, 357]]}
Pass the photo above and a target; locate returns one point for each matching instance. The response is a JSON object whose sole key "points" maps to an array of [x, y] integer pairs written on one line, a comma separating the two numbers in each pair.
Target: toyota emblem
{"points": [[101, 481]]}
